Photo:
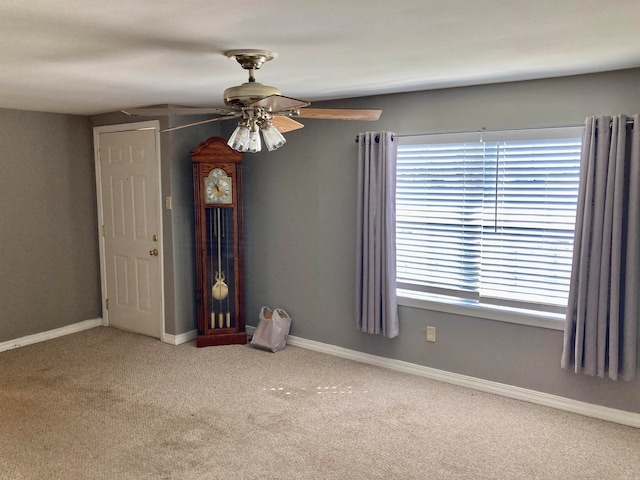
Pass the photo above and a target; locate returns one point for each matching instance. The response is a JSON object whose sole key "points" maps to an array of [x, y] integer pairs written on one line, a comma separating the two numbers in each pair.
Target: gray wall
{"points": [[182, 221], [300, 206], [49, 272]]}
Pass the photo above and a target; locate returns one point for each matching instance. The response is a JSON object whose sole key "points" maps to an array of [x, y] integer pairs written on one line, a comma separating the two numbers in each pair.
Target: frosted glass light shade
{"points": [[254, 141], [239, 139], [273, 139]]}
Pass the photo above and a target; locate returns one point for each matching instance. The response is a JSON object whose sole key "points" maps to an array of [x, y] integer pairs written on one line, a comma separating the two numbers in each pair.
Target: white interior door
{"points": [[129, 179]]}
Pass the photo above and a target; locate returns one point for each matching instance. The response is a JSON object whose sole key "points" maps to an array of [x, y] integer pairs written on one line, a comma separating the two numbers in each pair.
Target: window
{"points": [[488, 218]]}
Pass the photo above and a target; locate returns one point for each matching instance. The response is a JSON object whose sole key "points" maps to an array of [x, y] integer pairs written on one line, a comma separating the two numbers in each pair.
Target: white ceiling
{"points": [[88, 56]]}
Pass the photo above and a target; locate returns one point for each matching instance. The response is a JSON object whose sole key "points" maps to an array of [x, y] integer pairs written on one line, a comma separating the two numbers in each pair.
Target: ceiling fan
{"points": [[260, 108]]}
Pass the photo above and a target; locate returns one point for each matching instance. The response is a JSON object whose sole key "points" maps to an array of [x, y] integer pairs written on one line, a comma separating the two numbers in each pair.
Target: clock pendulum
{"points": [[212, 235], [220, 290], [226, 230]]}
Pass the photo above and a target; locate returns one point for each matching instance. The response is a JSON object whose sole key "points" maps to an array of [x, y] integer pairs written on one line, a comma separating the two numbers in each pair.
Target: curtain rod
{"points": [[393, 137], [484, 130]]}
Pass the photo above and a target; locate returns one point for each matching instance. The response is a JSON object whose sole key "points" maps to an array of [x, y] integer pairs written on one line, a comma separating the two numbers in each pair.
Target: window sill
{"points": [[423, 301]]}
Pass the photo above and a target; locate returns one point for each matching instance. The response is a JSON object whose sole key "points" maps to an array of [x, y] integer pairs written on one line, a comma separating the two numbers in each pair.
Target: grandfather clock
{"points": [[217, 187]]}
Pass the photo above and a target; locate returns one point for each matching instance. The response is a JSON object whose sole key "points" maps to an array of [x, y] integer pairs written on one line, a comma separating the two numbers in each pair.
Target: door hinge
{"points": [[99, 155], [107, 303], [103, 230]]}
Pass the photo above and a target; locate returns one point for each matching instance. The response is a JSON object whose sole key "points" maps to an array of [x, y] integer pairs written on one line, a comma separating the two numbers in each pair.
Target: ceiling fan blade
{"points": [[160, 111], [279, 103], [340, 113], [211, 120], [285, 124]]}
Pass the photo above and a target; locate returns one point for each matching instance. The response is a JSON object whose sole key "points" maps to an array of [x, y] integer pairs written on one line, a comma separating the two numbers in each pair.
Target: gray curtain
{"points": [[376, 302], [601, 330]]}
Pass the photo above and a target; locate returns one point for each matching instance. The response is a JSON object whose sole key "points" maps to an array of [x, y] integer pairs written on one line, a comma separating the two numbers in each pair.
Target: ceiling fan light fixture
{"points": [[254, 141], [239, 139], [273, 139]]}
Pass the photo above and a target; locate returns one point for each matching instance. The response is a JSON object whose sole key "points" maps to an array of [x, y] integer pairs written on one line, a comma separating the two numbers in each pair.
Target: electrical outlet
{"points": [[431, 334]]}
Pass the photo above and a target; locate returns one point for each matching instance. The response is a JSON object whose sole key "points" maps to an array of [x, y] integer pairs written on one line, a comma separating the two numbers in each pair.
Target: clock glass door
{"points": [[220, 269]]}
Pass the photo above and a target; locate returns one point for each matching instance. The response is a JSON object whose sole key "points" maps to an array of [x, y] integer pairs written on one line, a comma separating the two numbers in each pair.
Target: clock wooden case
{"points": [[217, 187]]}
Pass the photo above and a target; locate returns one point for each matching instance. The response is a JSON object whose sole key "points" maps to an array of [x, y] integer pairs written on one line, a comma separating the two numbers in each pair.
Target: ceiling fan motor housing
{"points": [[248, 93]]}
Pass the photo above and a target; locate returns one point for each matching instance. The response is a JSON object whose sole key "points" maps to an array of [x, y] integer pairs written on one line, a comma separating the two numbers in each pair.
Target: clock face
{"points": [[218, 190]]}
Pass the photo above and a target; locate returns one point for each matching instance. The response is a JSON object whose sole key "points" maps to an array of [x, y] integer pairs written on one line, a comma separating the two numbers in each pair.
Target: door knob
{"points": [[154, 252]]}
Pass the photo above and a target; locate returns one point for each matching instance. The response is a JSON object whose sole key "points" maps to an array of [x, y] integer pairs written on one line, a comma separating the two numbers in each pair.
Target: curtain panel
{"points": [[376, 300], [601, 330]]}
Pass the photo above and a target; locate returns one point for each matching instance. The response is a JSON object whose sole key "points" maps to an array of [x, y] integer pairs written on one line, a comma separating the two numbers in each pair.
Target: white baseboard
{"points": [[561, 403], [51, 334], [178, 339], [80, 326]]}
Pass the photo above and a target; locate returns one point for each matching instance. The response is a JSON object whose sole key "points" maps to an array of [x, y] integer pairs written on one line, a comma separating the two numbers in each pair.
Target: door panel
{"points": [[129, 175]]}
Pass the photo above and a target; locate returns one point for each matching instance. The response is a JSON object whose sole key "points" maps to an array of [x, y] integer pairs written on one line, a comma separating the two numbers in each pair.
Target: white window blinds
{"points": [[489, 219]]}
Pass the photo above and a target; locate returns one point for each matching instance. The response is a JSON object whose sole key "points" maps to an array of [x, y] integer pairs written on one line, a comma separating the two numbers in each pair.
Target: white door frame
{"points": [[126, 127]]}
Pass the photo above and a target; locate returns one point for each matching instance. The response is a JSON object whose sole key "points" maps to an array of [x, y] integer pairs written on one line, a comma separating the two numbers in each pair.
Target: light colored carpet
{"points": [[105, 404]]}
